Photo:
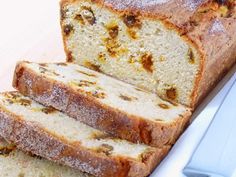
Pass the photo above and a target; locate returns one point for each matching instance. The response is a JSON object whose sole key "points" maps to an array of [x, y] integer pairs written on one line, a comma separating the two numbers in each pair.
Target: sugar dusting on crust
{"points": [[121, 4], [192, 4], [217, 27]]}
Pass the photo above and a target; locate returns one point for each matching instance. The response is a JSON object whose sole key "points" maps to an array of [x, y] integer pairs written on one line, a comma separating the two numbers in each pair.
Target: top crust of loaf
{"points": [[207, 25]]}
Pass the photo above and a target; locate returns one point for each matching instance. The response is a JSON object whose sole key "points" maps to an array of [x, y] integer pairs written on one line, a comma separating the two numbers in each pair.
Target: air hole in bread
{"points": [[146, 60], [88, 14]]}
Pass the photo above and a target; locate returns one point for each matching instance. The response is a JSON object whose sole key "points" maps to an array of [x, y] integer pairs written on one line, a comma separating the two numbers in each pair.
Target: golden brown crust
{"points": [[94, 113], [193, 22], [32, 138]]}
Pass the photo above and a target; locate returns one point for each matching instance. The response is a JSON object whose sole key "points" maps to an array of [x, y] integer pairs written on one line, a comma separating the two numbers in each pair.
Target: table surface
{"points": [[30, 30]]}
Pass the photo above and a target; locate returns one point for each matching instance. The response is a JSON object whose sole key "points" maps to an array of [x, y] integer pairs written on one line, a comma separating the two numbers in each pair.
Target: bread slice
{"points": [[48, 133], [175, 48], [103, 102], [15, 163]]}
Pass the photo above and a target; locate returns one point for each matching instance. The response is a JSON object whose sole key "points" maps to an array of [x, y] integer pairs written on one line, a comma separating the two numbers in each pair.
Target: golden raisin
{"points": [[6, 150], [163, 106], [48, 110], [190, 56], [80, 19], [92, 66], [127, 98], [105, 148], [132, 21], [113, 30], [68, 29], [147, 62], [87, 74], [171, 93]]}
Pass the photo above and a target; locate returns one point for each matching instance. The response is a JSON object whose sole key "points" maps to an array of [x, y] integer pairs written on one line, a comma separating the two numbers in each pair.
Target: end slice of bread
{"points": [[51, 134], [103, 102], [15, 163]]}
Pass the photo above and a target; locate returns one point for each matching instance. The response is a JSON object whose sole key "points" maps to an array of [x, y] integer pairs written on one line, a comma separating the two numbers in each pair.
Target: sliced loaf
{"points": [[48, 133], [15, 163], [103, 102], [176, 48]]}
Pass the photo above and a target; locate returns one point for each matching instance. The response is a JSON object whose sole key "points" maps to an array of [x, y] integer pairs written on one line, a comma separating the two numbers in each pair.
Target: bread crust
{"points": [[186, 18], [92, 112], [30, 137]]}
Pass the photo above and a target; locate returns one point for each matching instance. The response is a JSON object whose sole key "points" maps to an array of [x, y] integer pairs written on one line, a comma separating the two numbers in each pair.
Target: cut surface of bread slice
{"points": [[175, 48], [15, 163], [103, 102], [48, 133]]}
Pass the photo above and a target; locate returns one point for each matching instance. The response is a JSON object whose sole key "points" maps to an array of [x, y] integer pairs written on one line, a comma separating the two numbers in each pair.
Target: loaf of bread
{"points": [[15, 163], [45, 132], [102, 102], [178, 49]]}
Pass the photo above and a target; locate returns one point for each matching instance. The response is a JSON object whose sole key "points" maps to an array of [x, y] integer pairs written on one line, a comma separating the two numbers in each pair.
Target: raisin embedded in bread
{"points": [[48, 133], [176, 48], [15, 163], [103, 102]]}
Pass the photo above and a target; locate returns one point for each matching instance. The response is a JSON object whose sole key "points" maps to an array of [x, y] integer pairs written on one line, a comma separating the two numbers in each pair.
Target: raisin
{"points": [[163, 106], [80, 19], [61, 64], [63, 13], [105, 148], [99, 95], [92, 66], [6, 150], [147, 62], [190, 56], [68, 29], [48, 110], [113, 31], [132, 33], [101, 57], [24, 102], [70, 57], [171, 93], [100, 136], [132, 21], [127, 98], [87, 74]]}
